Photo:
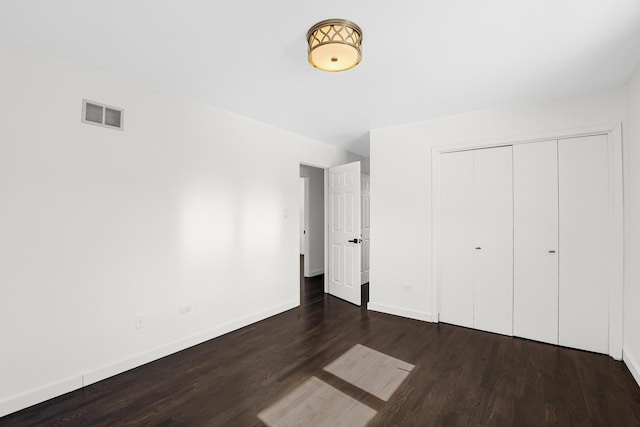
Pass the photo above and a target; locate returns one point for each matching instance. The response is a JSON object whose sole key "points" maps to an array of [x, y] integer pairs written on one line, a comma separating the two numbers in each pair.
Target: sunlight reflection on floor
{"points": [[316, 403]]}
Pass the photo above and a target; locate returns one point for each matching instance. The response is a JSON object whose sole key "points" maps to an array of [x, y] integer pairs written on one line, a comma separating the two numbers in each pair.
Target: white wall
{"points": [[401, 183], [632, 227], [186, 206], [316, 218]]}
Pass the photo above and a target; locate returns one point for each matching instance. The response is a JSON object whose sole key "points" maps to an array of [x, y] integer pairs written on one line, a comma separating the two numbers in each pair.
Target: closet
{"points": [[524, 240]]}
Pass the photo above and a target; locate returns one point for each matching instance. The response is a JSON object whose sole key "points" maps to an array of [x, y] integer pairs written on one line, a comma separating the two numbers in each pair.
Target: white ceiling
{"points": [[422, 59]]}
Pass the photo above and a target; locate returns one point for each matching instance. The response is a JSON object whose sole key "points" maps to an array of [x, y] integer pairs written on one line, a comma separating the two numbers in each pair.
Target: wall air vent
{"points": [[95, 113]]}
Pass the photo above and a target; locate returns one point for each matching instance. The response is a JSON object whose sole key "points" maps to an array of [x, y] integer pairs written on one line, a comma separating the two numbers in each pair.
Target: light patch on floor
{"points": [[370, 370], [315, 404]]}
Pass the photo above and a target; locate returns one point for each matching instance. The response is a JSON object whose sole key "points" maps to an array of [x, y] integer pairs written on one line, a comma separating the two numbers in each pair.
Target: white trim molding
{"points": [[398, 311], [41, 394], [316, 272], [326, 229], [616, 203]]}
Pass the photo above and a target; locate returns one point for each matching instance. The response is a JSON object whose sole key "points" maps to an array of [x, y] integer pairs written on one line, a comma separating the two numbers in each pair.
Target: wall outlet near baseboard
{"points": [[139, 321], [184, 309], [406, 287]]}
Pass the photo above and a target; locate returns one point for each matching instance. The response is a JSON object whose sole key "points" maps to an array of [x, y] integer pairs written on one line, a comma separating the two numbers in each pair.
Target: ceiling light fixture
{"points": [[334, 45]]}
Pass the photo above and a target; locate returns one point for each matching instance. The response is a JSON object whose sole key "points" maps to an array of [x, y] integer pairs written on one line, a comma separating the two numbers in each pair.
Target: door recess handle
{"points": [[355, 241], [552, 251]]}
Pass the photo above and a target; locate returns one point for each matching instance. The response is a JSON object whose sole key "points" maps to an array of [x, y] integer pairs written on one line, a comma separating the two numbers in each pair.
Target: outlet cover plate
{"points": [[139, 321]]}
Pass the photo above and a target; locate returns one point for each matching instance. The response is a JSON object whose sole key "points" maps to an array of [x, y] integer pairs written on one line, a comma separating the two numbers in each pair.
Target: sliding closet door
{"points": [[456, 238], [583, 167], [493, 240], [535, 286]]}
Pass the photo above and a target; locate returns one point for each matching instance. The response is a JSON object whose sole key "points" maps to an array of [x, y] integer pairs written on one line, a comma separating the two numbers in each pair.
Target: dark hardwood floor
{"points": [[461, 377]]}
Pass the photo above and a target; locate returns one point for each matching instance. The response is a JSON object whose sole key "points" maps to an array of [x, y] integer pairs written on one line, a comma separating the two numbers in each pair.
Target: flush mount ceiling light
{"points": [[334, 45]]}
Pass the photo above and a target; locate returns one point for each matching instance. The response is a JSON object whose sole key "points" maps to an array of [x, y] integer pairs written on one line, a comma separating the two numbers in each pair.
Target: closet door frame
{"points": [[614, 143]]}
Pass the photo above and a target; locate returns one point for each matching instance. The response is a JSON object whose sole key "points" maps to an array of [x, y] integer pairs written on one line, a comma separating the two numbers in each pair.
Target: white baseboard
{"points": [[632, 364], [35, 396], [32, 397], [317, 272], [398, 311]]}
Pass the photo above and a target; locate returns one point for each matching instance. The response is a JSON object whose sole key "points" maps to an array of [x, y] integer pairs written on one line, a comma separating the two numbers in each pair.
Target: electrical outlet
{"points": [[406, 287], [183, 309], [139, 321]]}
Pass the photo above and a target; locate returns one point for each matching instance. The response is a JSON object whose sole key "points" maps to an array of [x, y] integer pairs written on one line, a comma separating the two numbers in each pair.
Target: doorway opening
{"points": [[312, 228], [334, 231]]}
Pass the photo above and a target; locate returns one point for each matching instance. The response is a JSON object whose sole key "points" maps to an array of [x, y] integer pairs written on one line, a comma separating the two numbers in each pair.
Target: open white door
{"points": [[344, 232], [366, 228]]}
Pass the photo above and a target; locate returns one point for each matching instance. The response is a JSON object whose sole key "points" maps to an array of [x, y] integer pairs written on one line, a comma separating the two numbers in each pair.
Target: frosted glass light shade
{"points": [[334, 45]]}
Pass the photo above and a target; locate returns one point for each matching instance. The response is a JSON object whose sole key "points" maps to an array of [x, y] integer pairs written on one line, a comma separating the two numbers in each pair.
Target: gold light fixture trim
{"points": [[334, 45]]}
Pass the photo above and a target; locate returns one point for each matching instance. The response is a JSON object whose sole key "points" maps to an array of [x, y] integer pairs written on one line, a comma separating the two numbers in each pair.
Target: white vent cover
{"points": [[95, 113]]}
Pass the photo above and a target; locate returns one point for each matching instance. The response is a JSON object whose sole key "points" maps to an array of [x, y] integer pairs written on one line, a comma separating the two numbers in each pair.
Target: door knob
{"points": [[552, 251], [478, 248], [355, 241]]}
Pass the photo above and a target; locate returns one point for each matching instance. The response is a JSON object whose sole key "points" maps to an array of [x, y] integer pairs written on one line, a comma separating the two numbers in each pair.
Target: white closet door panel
{"points": [[584, 243], [456, 238], [493, 234], [535, 288]]}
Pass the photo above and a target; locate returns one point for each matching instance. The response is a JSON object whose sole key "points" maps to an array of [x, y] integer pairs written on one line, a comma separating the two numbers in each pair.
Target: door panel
{"points": [[349, 212], [303, 225], [345, 266], [584, 243], [535, 299], [336, 212], [493, 240], [456, 238], [336, 263]]}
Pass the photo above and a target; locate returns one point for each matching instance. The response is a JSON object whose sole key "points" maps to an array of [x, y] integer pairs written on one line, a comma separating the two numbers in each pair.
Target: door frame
{"points": [[305, 225], [613, 132], [362, 213], [326, 231]]}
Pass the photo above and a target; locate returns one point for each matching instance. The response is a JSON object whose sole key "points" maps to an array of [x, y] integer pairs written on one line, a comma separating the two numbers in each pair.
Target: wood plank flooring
{"points": [[461, 377]]}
